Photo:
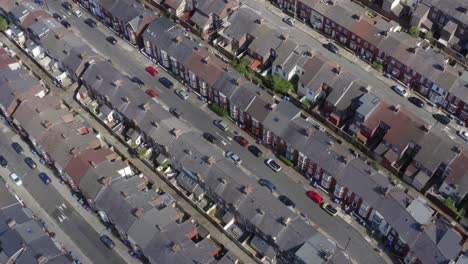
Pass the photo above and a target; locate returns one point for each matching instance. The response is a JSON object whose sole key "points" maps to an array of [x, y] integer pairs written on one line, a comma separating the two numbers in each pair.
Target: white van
{"points": [[400, 90]]}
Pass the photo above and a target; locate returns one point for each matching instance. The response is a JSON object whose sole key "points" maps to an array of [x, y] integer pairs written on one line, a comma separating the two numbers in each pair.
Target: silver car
{"points": [[237, 160], [181, 93]]}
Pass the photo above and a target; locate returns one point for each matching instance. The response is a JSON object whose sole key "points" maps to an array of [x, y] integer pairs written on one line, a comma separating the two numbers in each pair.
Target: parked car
{"points": [[17, 147], [111, 40], [463, 134], [176, 112], [138, 80], [65, 23], [286, 201], [107, 241], [221, 125], [443, 119], [209, 137], [166, 82], [30, 162], [44, 178], [57, 16], [329, 209], [315, 197], [90, 22], [181, 93], [151, 70], [268, 184], [16, 179], [400, 90], [237, 160], [241, 140], [67, 5], [3, 161], [255, 150], [290, 21], [273, 165], [331, 47], [77, 13], [152, 93], [416, 101]]}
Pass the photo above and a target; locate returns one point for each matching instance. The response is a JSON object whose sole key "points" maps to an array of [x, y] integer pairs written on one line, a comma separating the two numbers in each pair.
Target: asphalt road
{"points": [[131, 62], [65, 216], [379, 88]]}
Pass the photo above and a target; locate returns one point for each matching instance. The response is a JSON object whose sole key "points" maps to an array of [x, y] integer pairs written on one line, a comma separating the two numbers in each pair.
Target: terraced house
{"points": [[380, 41]]}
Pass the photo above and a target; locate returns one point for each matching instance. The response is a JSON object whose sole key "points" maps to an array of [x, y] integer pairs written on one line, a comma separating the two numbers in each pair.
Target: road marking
{"points": [[225, 140]]}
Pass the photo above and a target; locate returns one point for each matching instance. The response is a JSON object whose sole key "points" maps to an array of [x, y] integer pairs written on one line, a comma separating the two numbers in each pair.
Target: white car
{"points": [[289, 20], [463, 134], [237, 160], [77, 13], [400, 90], [181, 93], [16, 179], [273, 165]]}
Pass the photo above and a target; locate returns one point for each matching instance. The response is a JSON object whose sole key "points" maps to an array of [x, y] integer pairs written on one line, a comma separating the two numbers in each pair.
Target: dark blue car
{"points": [[268, 184], [166, 82], [44, 178], [107, 241]]}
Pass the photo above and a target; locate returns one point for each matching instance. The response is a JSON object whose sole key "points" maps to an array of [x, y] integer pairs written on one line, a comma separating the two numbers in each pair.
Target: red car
{"points": [[151, 70], [315, 197], [152, 93], [242, 141]]}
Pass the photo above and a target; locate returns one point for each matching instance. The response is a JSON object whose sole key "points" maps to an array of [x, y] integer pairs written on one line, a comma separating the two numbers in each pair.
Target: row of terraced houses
{"points": [[370, 196]]}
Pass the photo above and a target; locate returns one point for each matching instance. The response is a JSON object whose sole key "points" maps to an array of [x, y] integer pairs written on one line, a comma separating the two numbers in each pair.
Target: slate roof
{"points": [[265, 40], [459, 174], [312, 252], [242, 22]]}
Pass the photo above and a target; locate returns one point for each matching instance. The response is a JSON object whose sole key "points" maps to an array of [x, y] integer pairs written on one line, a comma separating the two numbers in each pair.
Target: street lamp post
{"points": [[295, 9]]}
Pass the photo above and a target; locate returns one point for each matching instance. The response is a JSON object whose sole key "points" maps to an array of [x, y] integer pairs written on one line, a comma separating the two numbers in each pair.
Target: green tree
{"points": [[281, 85], [3, 24], [414, 31]]}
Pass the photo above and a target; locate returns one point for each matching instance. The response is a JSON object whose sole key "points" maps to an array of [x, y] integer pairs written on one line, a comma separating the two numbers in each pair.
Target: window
{"points": [[358, 40], [339, 28], [462, 31], [366, 44], [333, 24], [353, 36]]}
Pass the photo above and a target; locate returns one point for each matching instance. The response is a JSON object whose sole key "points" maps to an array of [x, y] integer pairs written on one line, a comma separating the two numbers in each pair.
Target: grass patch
{"points": [[142, 152], [371, 13], [164, 165], [450, 203], [242, 66], [375, 164], [286, 161], [305, 104], [289, 12], [377, 65], [219, 110]]}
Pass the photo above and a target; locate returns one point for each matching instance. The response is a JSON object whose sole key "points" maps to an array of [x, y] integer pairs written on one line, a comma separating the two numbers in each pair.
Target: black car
{"points": [[65, 23], [331, 47], [286, 201], [268, 184], [17, 147], [67, 5], [138, 80], [176, 112], [111, 40], [209, 137], [166, 82], [30, 162], [416, 101], [57, 16], [90, 22], [443, 119], [255, 150], [3, 161]]}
